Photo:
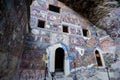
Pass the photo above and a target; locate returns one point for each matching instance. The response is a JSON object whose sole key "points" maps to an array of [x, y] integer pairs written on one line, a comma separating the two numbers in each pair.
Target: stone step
{"points": [[59, 78], [64, 79]]}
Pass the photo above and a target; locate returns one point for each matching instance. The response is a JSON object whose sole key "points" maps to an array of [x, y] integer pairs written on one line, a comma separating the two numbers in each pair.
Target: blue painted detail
{"points": [[89, 50], [69, 58], [64, 47]]}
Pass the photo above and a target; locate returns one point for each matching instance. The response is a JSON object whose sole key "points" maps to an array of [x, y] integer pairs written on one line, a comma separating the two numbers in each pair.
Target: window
{"points": [[85, 32], [98, 58], [54, 8], [65, 28], [41, 23]]}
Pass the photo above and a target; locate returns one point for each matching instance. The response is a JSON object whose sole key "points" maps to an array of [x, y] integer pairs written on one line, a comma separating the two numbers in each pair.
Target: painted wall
{"points": [[111, 23], [52, 33], [35, 44]]}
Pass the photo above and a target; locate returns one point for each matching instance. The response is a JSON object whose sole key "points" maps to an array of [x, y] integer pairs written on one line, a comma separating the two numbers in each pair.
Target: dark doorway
{"points": [[59, 60]]}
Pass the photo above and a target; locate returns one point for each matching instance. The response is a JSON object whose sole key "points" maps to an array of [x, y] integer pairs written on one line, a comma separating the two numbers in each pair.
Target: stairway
{"points": [[60, 76]]}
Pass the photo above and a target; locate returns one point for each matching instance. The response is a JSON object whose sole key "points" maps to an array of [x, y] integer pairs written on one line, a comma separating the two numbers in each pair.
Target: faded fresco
{"points": [[112, 23], [32, 65]]}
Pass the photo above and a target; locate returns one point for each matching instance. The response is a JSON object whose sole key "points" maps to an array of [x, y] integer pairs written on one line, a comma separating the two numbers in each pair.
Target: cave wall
{"points": [[13, 26]]}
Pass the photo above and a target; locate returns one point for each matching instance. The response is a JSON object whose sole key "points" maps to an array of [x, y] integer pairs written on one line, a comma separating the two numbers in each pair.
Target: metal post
{"points": [[45, 72], [53, 74], [108, 73]]}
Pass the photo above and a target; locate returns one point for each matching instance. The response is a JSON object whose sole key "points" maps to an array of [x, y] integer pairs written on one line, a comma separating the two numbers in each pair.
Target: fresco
{"points": [[31, 74], [59, 38], [33, 21], [76, 41], [91, 43], [32, 65], [54, 17], [69, 18], [35, 12], [84, 61], [77, 62], [32, 57], [42, 5], [112, 23], [107, 45], [45, 35], [73, 30], [42, 14], [54, 26], [78, 31]]}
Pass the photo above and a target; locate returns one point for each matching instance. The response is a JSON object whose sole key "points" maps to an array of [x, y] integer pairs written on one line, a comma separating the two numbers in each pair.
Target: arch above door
{"points": [[51, 55]]}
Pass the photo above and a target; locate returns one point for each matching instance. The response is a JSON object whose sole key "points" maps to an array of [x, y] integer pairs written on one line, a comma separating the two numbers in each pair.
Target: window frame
{"points": [[44, 22], [57, 8], [67, 29]]}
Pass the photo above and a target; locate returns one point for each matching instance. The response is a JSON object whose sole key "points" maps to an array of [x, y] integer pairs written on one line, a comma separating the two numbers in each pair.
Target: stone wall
{"points": [[52, 32], [29, 65], [35, 44]]}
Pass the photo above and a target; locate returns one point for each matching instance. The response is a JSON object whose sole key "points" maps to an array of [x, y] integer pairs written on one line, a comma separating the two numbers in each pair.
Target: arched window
{"points": [[98, 58]]}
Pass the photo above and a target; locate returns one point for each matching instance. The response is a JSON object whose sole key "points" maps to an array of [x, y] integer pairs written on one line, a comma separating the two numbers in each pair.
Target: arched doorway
{"points": [[52, 53], [59, 60]]}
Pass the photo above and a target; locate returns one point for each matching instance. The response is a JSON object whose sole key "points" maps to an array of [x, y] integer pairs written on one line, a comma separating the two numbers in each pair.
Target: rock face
{"points": [[13, 26]]}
